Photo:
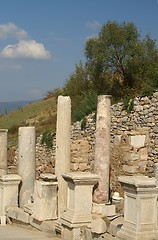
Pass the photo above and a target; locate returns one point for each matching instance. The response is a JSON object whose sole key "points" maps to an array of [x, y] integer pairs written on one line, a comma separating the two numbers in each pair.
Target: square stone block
{"points": [[137, 141], [45, 200]]}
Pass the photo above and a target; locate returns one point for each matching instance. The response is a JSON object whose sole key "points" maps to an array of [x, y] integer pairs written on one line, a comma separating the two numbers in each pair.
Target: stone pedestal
{"points": [[140, 208], [3, 151], [63, 137], [45, 198], [102, 149], [79, 205], [26, 163], [9, 186]]}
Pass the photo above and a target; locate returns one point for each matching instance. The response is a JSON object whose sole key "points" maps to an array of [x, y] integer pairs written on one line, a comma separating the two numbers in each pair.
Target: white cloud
{"points": [[11, 30], [26, 49], [93, 24]]}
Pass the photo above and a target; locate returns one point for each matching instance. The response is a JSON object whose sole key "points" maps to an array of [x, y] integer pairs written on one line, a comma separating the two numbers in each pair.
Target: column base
{"points": [[130, 234], [73, 233]]}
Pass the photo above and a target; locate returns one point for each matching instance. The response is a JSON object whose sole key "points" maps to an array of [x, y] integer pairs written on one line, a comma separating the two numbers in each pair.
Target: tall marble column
{"points": [[3, 151], [26, 163], [63, 137], [102, 149]]}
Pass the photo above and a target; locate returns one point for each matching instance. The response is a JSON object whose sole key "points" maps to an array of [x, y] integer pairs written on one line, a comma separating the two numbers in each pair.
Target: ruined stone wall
{"points": [[138, 130], [134, 137], [134, 140]]}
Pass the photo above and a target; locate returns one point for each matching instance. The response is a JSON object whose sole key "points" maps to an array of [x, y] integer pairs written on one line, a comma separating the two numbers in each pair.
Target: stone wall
{"points": [[139, 131], [134, 141], [136, 134]]}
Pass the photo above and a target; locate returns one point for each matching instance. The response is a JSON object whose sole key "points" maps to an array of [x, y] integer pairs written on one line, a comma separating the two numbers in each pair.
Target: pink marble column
{"points": [[102, 149]]}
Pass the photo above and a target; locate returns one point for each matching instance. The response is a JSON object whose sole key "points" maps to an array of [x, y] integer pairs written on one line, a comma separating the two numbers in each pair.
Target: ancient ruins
{"points": [[78, 205]]}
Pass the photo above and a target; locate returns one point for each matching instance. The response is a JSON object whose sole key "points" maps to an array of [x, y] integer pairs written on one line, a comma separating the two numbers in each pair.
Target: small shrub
{"points": [[54, 93], [128, 104], [47, 138], [83, 123], [84, 106], [13, 129]]}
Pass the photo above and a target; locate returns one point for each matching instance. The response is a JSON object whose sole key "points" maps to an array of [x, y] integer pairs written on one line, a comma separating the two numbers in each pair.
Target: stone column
{"points": [[102, 149], [63, 137], [3, 151], [26, 163]]}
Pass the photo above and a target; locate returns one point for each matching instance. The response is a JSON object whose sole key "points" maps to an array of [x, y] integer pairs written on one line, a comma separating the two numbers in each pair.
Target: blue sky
{"points": [[41, 41]]}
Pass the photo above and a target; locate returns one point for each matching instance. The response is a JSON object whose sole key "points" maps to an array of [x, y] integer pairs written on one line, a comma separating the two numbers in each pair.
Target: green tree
{"points": [[120, 62], [78, 87], [78, 82]]}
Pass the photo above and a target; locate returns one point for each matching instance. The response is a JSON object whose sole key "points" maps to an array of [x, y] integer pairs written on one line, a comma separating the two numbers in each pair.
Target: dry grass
{"points": [[41, 114]]}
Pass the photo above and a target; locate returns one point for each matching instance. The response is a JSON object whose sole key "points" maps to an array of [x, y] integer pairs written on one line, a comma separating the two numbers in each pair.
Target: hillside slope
{"points": [[41, 114], [7, 107]]}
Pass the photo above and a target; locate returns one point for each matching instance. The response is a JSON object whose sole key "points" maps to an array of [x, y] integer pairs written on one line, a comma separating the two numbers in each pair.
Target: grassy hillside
{"points": [[41, 114], [7, 107]]}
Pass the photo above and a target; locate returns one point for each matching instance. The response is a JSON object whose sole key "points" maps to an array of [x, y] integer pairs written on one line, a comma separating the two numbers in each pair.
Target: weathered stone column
{"points": [[3, 151], [26, 163], [63, 136], [102, 149]]}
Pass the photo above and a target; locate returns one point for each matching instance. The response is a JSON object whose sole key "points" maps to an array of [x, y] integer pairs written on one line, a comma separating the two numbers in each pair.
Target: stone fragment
{"points": [[98, 225], [18, 214], [115, 226], [143, 154], [117, 139], [104, 209], [155, 129], [130, 169]]}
